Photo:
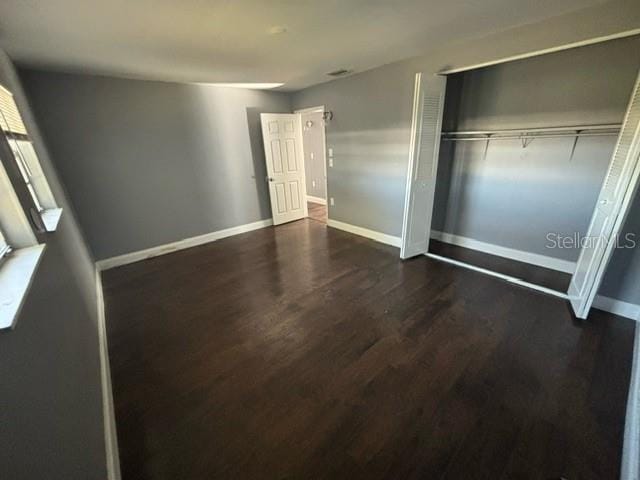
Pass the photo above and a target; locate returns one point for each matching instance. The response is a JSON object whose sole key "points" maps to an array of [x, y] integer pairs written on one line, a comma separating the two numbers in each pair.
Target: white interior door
{"points": [[282, 134], [426, 126], [618, 189]]}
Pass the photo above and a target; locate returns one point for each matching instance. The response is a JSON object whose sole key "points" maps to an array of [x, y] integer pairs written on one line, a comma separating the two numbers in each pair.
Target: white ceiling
{"points": [[228, 40]]}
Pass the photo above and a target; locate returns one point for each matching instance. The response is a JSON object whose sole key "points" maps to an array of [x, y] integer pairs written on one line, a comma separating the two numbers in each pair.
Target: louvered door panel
{"points": [[618, 188], [428, 107]]}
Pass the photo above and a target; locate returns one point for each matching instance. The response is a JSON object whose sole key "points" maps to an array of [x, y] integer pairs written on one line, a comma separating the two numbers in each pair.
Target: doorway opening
{"points": [[296, 162], [315, 161]]}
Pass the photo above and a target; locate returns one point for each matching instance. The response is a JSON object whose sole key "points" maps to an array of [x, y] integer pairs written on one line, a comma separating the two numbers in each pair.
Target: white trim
{"points": [[413, 134], [630, 468], [51, 217], [511, 253], [365, 232], [501, 276], [611, 305], [312, 199], [180, 245], [536, 53], [319, 109], [617, 307], [15, 224], [325, 161], [17, 271], [108, 413]]}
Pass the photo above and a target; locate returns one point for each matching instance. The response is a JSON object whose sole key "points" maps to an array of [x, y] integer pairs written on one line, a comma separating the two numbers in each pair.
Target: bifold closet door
{"points": [[618, 189], [426, 126]]}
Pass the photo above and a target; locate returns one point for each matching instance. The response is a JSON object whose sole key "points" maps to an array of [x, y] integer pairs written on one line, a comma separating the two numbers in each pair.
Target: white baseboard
{"points": [[501, 276], [179, 245], [617, 307], [511, 253], [365, 232], [611, 305], [319, 200], [108, 413], [630, 467]]}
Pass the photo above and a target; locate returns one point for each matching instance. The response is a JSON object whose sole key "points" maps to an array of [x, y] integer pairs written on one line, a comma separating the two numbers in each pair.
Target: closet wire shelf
{"points": [[530, 133]]}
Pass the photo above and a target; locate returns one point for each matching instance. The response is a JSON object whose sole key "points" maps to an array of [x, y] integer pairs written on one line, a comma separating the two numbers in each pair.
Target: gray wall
{"points": [[622, 278], [583, 85], [149, 163], [514, 196], [51, 422], [369, 135], [314, 168]]}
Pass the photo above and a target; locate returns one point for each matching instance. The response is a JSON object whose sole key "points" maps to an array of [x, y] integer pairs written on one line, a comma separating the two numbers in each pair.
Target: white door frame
{"points": [[321, 109], [537, 53]]}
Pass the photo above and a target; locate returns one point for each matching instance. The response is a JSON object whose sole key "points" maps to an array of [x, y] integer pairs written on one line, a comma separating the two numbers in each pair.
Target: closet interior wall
{"points": [[522, 194]]}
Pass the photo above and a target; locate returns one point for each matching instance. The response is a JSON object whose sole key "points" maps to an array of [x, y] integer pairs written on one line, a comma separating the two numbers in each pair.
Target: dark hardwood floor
{"points": [[304, 352], [317, 212], [544, 277]]}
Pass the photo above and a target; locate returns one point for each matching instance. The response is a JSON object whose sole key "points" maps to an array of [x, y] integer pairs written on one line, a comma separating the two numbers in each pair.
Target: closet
{"points": [[525, 169]]}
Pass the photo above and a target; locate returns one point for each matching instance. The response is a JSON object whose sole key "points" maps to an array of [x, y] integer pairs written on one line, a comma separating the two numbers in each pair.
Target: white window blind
{"points": [[10, 120], [25, 171], [11, 123]]}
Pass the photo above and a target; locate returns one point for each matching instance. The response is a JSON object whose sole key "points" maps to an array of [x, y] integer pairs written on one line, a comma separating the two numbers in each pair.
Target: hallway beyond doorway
{"points": [[317, 212]]}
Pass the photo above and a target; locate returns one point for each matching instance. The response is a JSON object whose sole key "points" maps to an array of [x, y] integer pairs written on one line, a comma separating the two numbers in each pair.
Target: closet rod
{"points": [[570, 128], [526, 137]]}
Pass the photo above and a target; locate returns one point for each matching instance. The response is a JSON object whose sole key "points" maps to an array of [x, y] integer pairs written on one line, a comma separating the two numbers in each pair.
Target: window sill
{"points": [[16, 274], [51, 218]]}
